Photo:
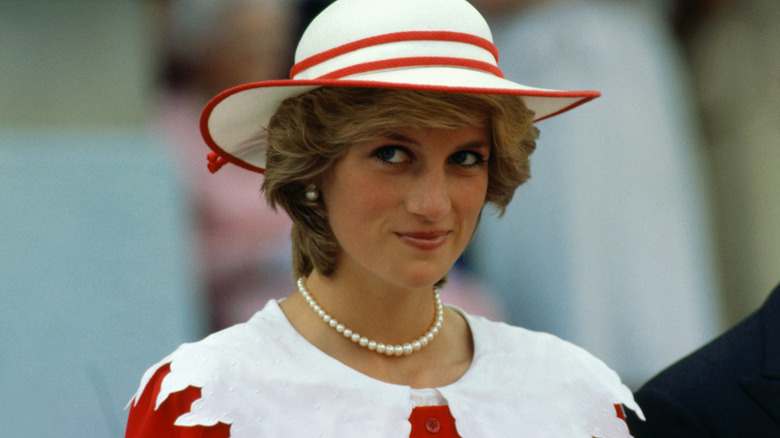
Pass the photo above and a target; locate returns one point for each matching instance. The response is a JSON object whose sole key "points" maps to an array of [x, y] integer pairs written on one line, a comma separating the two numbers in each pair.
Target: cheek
{"points": [[471, 197], [354, 203], [373, 194]]}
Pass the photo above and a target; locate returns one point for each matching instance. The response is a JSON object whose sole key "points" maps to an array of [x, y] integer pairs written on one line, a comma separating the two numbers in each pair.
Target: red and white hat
{"points": [[427, 45]]}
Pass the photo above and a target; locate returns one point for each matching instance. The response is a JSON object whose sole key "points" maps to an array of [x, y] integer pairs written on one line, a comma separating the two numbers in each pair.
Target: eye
{"points": [[392, 155], [467, 158]]}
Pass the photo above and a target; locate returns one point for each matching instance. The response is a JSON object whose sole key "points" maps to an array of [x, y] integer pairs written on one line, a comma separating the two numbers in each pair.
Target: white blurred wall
{"points": [[96, 282]]}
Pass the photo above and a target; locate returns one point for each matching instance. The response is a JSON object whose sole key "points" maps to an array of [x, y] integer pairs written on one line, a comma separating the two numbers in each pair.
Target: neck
{"points": [[388, 315], [378, 310]]}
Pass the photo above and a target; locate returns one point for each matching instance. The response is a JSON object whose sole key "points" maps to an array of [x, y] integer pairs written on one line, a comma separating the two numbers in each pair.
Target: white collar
{"points": [[265, 379]]}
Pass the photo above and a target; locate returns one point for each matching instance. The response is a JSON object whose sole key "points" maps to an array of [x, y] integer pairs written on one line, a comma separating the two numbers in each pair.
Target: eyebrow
{"points": [[392, 135]]}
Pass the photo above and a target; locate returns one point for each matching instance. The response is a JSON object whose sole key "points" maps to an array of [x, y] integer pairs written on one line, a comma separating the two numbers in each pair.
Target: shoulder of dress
{"points": [[215, 357], [543, 362], [259, 379], [508, 340]]}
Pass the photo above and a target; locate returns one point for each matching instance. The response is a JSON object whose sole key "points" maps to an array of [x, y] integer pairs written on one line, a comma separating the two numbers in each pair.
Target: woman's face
{"points": [[403, 206]]}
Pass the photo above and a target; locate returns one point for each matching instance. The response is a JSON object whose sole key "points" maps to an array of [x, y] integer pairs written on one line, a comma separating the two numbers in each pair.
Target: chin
{"points": [[421, 280]]}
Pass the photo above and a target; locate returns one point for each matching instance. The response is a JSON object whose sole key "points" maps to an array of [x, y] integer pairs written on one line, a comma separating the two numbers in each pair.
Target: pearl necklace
{"points": [[389, 350]]}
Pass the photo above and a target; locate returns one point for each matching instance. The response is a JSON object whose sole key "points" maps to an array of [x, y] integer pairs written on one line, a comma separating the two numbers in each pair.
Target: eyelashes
{"points": [[399, 155], [467, 158], [393, 155]]}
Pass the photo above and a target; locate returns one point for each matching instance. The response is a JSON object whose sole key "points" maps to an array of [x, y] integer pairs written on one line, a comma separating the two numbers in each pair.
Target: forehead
{"points": [[401, 125], [471, 137], [412, 133], [421, 109]]}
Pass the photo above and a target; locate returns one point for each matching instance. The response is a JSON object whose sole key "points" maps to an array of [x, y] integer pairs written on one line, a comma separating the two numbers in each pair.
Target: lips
{"points": [[424, 240]]}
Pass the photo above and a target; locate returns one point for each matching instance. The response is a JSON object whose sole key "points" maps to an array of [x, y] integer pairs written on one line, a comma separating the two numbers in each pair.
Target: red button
{"points": [[432, 425]]}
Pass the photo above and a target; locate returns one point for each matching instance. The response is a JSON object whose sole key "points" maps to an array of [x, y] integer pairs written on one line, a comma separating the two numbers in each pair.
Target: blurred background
{"points": [[652, 222]]}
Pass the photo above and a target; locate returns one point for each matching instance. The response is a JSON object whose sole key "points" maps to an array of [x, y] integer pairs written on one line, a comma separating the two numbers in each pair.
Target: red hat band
{"points": [[383, 52]]}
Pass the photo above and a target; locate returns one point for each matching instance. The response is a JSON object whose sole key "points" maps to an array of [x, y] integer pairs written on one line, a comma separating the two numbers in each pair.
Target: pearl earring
{"points": [[311, 192]]}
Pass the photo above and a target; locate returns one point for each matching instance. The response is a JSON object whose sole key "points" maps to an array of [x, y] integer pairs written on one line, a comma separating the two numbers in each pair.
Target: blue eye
{"points": [[467, 158], [392, 155]]}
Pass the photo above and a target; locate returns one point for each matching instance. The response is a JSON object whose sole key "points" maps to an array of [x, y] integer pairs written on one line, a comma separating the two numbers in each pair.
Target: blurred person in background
{"points": [[729, 387], [735, 59], [243, 246], [608, 236]]}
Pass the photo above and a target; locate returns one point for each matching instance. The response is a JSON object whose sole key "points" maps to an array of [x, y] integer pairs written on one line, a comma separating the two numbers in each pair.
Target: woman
{"points": [[393, 134]]}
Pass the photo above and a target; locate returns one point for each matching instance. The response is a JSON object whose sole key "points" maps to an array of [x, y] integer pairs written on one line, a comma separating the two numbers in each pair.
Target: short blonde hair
{"points": [[308, 133]]}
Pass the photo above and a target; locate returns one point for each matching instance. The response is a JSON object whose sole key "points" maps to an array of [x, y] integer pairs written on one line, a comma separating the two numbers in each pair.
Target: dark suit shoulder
{"points": [[704, 394], [714, 367]]}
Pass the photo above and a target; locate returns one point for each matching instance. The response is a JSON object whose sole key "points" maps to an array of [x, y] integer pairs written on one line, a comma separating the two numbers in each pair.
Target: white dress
{"points": [[265, 379]]}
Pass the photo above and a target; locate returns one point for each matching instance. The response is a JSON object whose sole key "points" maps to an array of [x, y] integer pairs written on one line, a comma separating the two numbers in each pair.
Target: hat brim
{"points": [[233, 123]]}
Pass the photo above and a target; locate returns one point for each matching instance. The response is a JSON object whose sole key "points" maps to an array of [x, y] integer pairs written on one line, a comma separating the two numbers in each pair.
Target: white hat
{"points": [[427, 45]]}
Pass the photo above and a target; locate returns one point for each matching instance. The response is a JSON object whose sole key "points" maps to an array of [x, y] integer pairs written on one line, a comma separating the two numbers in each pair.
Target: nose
{"points": [[429, 196]]}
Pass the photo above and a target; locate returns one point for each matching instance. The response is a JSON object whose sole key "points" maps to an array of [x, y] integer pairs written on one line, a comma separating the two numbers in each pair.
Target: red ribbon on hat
{"points": [[215, 162], [458, 37], [413, 62]]}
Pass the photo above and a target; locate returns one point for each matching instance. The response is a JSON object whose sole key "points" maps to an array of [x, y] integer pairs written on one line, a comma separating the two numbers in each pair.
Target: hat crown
{"points": [[410, 28]]}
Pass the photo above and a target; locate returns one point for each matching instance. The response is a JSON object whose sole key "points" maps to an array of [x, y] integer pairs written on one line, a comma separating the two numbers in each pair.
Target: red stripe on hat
{"points": [[432, 35], [413, 62]]}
